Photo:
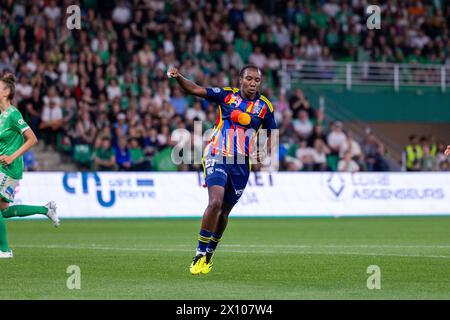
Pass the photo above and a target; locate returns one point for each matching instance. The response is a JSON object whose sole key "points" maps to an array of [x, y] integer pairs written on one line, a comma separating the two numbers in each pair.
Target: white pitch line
{"points": [[234, 251], [290, 246], [339, 246]]}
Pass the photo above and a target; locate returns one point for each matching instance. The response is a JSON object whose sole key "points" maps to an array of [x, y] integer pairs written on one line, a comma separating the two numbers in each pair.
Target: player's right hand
{"points": [[447, 151], [173, 73]]}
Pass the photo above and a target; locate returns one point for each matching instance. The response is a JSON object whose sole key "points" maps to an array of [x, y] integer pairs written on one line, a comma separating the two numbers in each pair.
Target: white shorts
{"points": [[7, 187]]}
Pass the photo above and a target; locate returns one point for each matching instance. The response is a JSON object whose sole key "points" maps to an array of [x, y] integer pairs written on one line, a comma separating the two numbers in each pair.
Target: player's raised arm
{"points": [[187, 85], [447, 151]]}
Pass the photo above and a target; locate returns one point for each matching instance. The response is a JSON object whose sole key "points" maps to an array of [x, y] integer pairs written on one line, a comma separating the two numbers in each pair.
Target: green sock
{"points": [[23, 211], [3, 236]]}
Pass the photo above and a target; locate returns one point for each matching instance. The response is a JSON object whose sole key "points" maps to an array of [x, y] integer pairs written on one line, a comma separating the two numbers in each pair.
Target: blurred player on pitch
{"points": [[226, 159], [16, 138]]}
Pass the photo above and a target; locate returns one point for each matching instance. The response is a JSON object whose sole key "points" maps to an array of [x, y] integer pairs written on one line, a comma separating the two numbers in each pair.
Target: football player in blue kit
{"points": [[242, 113]]}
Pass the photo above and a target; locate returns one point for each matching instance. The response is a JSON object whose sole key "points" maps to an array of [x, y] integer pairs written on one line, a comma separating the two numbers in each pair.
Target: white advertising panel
{"points": [[156, 194]]}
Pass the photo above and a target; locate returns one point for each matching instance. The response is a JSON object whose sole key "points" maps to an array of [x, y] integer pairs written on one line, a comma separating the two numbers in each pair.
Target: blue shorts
{"points": [[233, 177]]}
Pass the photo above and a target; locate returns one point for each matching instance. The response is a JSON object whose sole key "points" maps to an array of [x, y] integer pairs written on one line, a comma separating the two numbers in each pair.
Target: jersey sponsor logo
{"points": [[238, 101], [239, 192], [263, 112], [10, 192], [20, 122], [216, 90], [256, 107], [233, 99], [230, 98]]}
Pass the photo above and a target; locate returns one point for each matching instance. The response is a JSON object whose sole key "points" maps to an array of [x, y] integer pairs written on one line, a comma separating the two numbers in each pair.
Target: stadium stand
{"points": [[103, 91]]}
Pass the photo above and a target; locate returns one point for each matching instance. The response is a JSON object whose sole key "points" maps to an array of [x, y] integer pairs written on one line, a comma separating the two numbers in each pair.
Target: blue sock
{"points": [[203, 240], [215, 239]]}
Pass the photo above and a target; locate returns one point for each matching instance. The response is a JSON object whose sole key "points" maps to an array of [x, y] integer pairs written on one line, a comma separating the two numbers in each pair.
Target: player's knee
{"points": [[3, 205], [215, 205]]}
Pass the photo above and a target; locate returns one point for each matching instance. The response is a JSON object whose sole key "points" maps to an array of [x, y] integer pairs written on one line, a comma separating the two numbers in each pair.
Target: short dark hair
{"points": [[248, 66]]}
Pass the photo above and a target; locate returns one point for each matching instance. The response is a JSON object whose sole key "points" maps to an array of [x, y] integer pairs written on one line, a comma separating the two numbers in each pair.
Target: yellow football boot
{"points": [[197, 264], [208, 263]]}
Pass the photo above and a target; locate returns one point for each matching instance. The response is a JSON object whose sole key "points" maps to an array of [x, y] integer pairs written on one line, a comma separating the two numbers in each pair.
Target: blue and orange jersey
{"points": [[230, 138]]}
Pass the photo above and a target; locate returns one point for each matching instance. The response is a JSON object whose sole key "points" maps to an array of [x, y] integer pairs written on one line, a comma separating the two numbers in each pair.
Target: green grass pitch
{"points": [[257, 259]]}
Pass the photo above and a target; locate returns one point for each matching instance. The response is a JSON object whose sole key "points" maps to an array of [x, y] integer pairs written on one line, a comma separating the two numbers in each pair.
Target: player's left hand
{"points": [[173, 73], [6, 160], [447, 151]]}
